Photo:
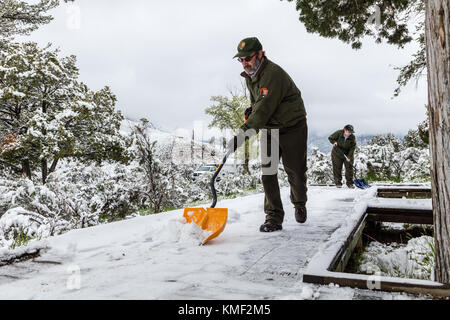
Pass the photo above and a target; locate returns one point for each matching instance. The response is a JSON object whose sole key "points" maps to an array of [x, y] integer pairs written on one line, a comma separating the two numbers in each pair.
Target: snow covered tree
{"points": [[350, 21], [22, 17], [388, 158], [160, 186], [319, 167], [393, 21], [418, 138], [47, 115], [228, 113]]}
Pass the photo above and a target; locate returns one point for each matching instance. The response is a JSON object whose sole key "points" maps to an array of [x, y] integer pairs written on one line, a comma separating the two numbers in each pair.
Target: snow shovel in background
{"points": [[359, 183], [212, 220]]}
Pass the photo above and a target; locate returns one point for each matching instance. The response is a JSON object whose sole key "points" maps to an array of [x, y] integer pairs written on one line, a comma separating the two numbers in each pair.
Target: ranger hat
{"points": [[349, 128], [247, 46]]}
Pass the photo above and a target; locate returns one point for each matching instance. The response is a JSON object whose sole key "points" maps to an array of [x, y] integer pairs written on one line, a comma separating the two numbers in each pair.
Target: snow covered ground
{"points": [[411, 260], [157, 257]]}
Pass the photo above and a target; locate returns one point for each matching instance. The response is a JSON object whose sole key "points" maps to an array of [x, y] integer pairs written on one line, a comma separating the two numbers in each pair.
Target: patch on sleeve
{"points": [[263, 92]]}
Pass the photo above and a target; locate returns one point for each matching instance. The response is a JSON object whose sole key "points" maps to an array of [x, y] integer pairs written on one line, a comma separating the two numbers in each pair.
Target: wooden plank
{"points": [[413, 216], [352, 245], [412, 190], [400, 195], [396, 218], [403, 192], [368, 282], [345, 252]]}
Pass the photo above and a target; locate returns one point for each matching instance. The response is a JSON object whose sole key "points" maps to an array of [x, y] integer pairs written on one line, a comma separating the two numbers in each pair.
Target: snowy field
{"points": [[158, 257]]}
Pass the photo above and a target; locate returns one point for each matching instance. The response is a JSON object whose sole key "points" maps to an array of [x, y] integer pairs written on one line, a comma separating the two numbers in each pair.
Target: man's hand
{"points": [[348, 159], [247, 113], [335, 144]]}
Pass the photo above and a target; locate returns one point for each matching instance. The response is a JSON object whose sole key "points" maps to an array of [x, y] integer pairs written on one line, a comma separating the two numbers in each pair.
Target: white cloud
{"points": [[164, 60]]}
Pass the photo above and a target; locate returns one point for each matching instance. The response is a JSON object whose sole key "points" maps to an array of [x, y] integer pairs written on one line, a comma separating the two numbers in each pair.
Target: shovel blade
{"points": [[212, 220], [361, 183], [358, 184]]}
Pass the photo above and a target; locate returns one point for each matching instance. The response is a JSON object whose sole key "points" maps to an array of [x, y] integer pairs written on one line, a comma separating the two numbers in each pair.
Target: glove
{"points": [[247, 113]]}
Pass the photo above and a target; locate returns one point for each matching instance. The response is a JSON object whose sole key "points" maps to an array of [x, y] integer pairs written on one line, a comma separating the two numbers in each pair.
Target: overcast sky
{"points": [[165, 59]]}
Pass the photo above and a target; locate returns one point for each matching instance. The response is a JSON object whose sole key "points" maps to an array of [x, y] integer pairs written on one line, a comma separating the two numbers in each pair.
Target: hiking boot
{"points": [[339, 186], [300, 214], [350, 186], [270, 226]]}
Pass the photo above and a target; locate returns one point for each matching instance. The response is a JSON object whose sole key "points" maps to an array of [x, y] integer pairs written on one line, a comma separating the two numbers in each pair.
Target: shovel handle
{"points": [[213, 178], [342, 152]]}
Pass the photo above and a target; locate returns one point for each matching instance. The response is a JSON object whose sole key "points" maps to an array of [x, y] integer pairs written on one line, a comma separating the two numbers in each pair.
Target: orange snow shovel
{"points": [[211, 220]]}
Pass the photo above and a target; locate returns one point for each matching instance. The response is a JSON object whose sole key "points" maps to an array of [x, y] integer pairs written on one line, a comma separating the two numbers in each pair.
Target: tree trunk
{"points": [[203, 152], [247, 155], [192, 147], [44, 170], [26, 170], [53, 166], [437, 37]]}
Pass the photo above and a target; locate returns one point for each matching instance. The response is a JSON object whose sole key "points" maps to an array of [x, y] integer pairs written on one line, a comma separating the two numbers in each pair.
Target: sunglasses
{"points": [[247, 59]]}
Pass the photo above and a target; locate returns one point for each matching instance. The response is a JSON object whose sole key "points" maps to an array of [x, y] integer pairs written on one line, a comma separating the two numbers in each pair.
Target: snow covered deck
{"points": [[329, 262], [155, 257]]}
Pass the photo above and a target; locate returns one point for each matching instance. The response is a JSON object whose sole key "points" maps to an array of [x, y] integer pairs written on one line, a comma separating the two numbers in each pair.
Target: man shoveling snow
{"points": [[276, 105]]}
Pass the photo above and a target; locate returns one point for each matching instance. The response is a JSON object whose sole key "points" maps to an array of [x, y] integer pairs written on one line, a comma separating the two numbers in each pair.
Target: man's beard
{"points": [[252, 70]]}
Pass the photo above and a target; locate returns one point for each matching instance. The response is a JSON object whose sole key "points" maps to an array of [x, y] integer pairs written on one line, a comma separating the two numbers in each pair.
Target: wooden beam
{"points": [[399, 215], [380, 283], [345, 252], [404, 192]]}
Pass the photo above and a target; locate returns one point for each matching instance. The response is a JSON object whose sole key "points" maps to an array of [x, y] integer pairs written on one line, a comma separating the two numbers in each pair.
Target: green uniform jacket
{"points": [[275, 99], [348, 145]]}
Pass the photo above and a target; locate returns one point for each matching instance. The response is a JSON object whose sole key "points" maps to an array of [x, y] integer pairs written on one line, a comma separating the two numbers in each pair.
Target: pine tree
{"points": [[352, 20], [48, 115], [21, 17], [160, 187], [418, 138]]}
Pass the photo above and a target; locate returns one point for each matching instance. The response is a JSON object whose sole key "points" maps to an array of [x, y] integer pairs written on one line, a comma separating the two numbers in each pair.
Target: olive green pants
{"points": [[338, 161], [293, 153]]}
